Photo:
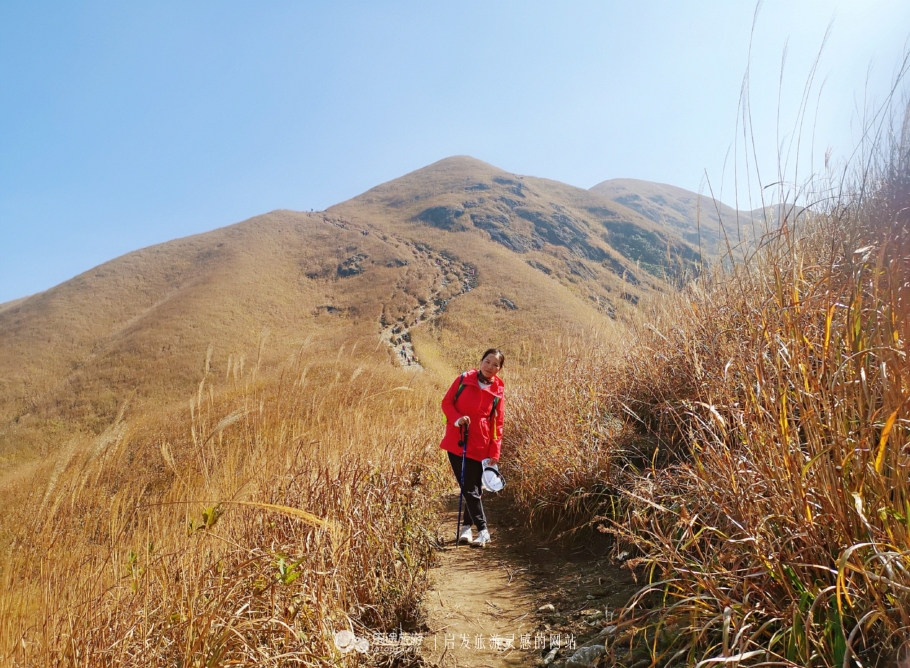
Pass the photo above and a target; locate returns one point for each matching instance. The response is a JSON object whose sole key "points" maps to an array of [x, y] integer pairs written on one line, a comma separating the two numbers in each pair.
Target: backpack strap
{"points": [[459, 390], [457, 394], [493, 415]]}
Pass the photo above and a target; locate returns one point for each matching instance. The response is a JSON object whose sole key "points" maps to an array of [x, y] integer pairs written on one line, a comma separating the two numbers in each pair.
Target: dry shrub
{"points": [[783, 537], [279, 511], [773, 522], [562, 440]]}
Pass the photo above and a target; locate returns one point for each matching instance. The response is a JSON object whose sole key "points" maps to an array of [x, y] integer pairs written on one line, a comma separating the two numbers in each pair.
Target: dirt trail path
{"points": [[448, 271], [514, 602]]}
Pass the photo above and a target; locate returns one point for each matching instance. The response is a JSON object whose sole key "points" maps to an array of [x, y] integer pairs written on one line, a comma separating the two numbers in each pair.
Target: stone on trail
{"points": [[546, 607], [607, 631], [551, 655], [586, 656]]}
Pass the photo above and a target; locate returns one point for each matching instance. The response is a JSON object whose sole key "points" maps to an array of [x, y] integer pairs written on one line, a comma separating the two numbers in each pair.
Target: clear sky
{"points": [[124, 124]]}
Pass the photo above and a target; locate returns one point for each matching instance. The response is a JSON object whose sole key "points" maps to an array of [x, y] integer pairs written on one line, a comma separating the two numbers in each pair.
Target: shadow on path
{"points": [[512, 603]]}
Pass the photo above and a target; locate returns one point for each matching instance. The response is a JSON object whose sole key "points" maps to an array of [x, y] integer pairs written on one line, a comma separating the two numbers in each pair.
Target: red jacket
{"points": [[485, 432]]}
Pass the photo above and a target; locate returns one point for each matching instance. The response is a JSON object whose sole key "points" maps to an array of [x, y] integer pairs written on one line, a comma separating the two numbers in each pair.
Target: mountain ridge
{"points": [[442, 260], [708, 223]]}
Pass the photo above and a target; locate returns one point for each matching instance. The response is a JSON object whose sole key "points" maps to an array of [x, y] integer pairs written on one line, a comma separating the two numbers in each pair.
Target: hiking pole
{"points": [[464, 450]]}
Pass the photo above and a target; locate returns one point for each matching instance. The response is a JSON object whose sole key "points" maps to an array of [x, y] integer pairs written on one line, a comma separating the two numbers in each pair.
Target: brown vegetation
{"points": [[749, 446], [206, 456], [245, 528]]}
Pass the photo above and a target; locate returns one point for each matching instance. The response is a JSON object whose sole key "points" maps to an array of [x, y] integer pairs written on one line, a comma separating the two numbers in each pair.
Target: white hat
{"points": [[491, 479]]}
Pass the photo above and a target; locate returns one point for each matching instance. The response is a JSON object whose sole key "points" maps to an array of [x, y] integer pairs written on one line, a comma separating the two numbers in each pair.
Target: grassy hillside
{"points": [[165, 415], [579, 237], [543, 257], [747, 447], [704, 222], [142, 326]]}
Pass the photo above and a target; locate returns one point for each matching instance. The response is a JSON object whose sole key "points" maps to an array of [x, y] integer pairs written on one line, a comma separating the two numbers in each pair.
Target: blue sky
{"points": [[127, 124]]}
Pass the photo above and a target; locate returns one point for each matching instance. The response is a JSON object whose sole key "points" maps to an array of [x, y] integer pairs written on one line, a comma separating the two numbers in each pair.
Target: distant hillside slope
{"points": [[696, 218], [144, 322], [446, 260], [599, 248]]}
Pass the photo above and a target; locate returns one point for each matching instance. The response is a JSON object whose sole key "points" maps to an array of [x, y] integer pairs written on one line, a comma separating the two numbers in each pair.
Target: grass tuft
{"points": [[747, 442]]}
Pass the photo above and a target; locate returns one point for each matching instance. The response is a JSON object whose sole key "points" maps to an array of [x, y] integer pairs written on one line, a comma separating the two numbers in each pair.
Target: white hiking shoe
{"points": [[482, 540], [466, 535]]}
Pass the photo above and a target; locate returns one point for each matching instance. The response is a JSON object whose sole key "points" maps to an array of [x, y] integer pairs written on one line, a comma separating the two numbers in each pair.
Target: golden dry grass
{"points": [[138, 329], [245, 528], [206, 456], [749, 445]]}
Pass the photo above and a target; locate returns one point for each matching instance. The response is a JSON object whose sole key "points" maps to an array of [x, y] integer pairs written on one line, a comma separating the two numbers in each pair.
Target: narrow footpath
{"points": [[522, 601], [397, 335]]}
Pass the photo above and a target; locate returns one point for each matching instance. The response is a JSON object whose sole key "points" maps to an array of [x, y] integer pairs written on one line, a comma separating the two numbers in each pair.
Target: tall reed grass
{"points": [[562, 440], [760, 473], [244, 529]]}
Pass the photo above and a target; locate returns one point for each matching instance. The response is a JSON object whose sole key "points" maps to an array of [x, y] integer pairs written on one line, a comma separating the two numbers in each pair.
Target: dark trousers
{"points": [[472, 490]]}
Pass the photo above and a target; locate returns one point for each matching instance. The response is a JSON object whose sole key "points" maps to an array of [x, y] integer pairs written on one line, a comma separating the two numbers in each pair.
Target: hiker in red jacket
{"points": [[475, 399]]}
